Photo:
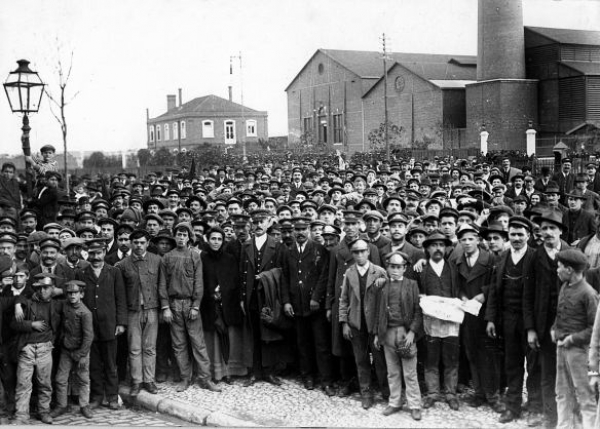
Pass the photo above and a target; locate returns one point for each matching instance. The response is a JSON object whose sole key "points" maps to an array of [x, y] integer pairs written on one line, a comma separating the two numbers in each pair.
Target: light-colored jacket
{"points": [[350, 300]]}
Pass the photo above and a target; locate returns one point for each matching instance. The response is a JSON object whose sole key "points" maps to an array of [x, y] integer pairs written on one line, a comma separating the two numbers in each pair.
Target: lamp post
{"points": [[24, 90]]}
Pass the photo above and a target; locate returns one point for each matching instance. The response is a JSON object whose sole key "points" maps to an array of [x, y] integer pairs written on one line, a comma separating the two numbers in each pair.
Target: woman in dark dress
{"points": [[220, 310]]}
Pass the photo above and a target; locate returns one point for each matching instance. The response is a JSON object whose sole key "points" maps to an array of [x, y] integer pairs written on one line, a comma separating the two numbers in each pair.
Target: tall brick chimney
{"points": [[230, 93], [171, 102], [501, 40], [180, 100]]}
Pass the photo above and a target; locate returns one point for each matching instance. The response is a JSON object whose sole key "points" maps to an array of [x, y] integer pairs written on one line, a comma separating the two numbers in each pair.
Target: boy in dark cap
{"points": [[37, 332], [572, 331], [77, 336]]}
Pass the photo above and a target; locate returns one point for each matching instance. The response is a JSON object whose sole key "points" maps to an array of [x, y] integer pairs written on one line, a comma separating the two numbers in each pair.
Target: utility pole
{"points": [[239, 57], [385, 108]]}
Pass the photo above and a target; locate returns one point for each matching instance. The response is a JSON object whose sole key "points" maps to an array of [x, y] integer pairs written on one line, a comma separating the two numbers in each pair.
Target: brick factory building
{"points": [[522, 77]]}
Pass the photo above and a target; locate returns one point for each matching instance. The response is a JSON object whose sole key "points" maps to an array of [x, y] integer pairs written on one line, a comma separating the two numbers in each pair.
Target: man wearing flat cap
{"points": [[49, 263], [572, 332], [304, 289], [504, 315], [105, 297], [180, 291], [141, 274], [540, 301], [374, 221], [579, 223], [340, 260], [473, 276]]}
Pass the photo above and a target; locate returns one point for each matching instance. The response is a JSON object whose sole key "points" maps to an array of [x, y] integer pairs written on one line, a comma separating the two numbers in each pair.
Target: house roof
{"points": [[368, 64], [207, 105], [583, 67], [569, 36]]}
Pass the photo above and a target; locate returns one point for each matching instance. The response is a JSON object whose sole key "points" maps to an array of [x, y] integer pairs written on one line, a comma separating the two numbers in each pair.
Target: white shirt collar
{"points": [[16, 292], [362, 270], [260, 241]]}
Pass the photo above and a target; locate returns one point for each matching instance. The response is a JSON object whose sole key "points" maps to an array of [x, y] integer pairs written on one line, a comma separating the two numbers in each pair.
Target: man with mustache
{"points": [[504, 315], [442, 343], [259, 254], [104, 296], [303, 294], [540, 301], [49, 252]]}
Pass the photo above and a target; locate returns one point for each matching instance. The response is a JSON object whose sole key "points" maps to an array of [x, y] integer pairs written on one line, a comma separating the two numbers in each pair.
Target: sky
{"points": [[128, 55]]}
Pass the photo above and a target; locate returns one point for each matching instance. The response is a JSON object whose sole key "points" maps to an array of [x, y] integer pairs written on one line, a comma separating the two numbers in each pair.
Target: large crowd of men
{"points": [[346, 275]]}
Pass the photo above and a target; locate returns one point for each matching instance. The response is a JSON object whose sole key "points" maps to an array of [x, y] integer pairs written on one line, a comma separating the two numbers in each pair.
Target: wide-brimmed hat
{"points": [[437, 236], [553, 216]]}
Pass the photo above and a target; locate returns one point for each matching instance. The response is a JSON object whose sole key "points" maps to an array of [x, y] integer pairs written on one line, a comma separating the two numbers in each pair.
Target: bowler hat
{"points": [[553, 216]]}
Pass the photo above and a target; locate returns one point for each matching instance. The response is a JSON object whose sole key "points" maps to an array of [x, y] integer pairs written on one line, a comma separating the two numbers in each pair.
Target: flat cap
{"points": [[573, 258], [50, 242], [74, 286]]}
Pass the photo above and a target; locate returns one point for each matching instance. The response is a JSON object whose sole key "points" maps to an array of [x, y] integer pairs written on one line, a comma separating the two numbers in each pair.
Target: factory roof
{"points": [[568, 36]]}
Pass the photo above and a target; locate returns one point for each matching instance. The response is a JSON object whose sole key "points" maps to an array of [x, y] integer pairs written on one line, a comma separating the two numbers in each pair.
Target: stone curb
{"points": [[182, 410]]}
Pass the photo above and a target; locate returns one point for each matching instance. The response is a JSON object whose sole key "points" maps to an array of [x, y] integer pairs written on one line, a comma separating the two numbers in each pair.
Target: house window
{"points": [[229, 128], [208, 129], [151, 133], [158, 133], [175, 131], [323, 129], [167, 137], [307, 125], [338, 134], [251, 128], [182, 130]]}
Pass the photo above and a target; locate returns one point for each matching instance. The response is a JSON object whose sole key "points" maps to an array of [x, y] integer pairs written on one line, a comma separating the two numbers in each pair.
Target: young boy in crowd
{"points": [[398, 326], [37, 332], [77, 336]]}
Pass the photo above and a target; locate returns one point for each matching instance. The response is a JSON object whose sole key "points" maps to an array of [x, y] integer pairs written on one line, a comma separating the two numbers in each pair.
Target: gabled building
{"points": [[209, 119], [337, 98]]}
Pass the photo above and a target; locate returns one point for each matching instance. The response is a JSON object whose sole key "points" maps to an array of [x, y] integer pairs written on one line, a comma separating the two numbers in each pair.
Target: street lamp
{"points": [[24, 90]]}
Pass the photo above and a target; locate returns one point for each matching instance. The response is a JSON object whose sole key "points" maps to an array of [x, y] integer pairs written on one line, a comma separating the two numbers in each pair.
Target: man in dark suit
{"points": [[504, 315], [108, 228], [398, 223], [540, 301], [105, 298], [578, 223], [123, 245], [49, 251], [564, 178], [73, 261], [594, 177], [259, 254], [46, 201], [473, 275], [296, 185], [303, 295]]}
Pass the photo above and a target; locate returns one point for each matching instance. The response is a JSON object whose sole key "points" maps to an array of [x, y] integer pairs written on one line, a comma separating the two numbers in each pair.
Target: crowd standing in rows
{"points": [[347, 275]]}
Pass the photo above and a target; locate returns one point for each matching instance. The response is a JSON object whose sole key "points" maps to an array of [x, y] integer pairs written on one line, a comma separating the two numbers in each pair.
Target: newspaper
{"points": [[442, 316]]}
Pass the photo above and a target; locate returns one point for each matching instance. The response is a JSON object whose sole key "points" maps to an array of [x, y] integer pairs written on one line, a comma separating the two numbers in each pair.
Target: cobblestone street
{"points": [[292, 405], [125, 416]]}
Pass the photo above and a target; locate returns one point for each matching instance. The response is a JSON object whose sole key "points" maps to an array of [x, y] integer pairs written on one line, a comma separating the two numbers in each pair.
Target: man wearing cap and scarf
{"points": [[105, 297], [572, 331], [504, 315], [540, 301], [141, 273]]}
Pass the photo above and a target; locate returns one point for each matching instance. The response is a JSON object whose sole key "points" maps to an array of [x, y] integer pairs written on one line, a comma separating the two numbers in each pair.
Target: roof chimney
{"points": [[230, 93], [180, 101], [171, 102]]}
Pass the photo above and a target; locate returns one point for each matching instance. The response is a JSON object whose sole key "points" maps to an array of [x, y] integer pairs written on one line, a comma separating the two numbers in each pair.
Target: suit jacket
{"points": [[105, 298], [305, 277], [274, 256], [494, 306], [540, 276], [413, 253], [113, 258], [295, 190], [565, 184], [340, 259], [471, 283], [411, 310], [351, 305], [47, 206], [29, 309], [578, 225], [63, 274]]}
